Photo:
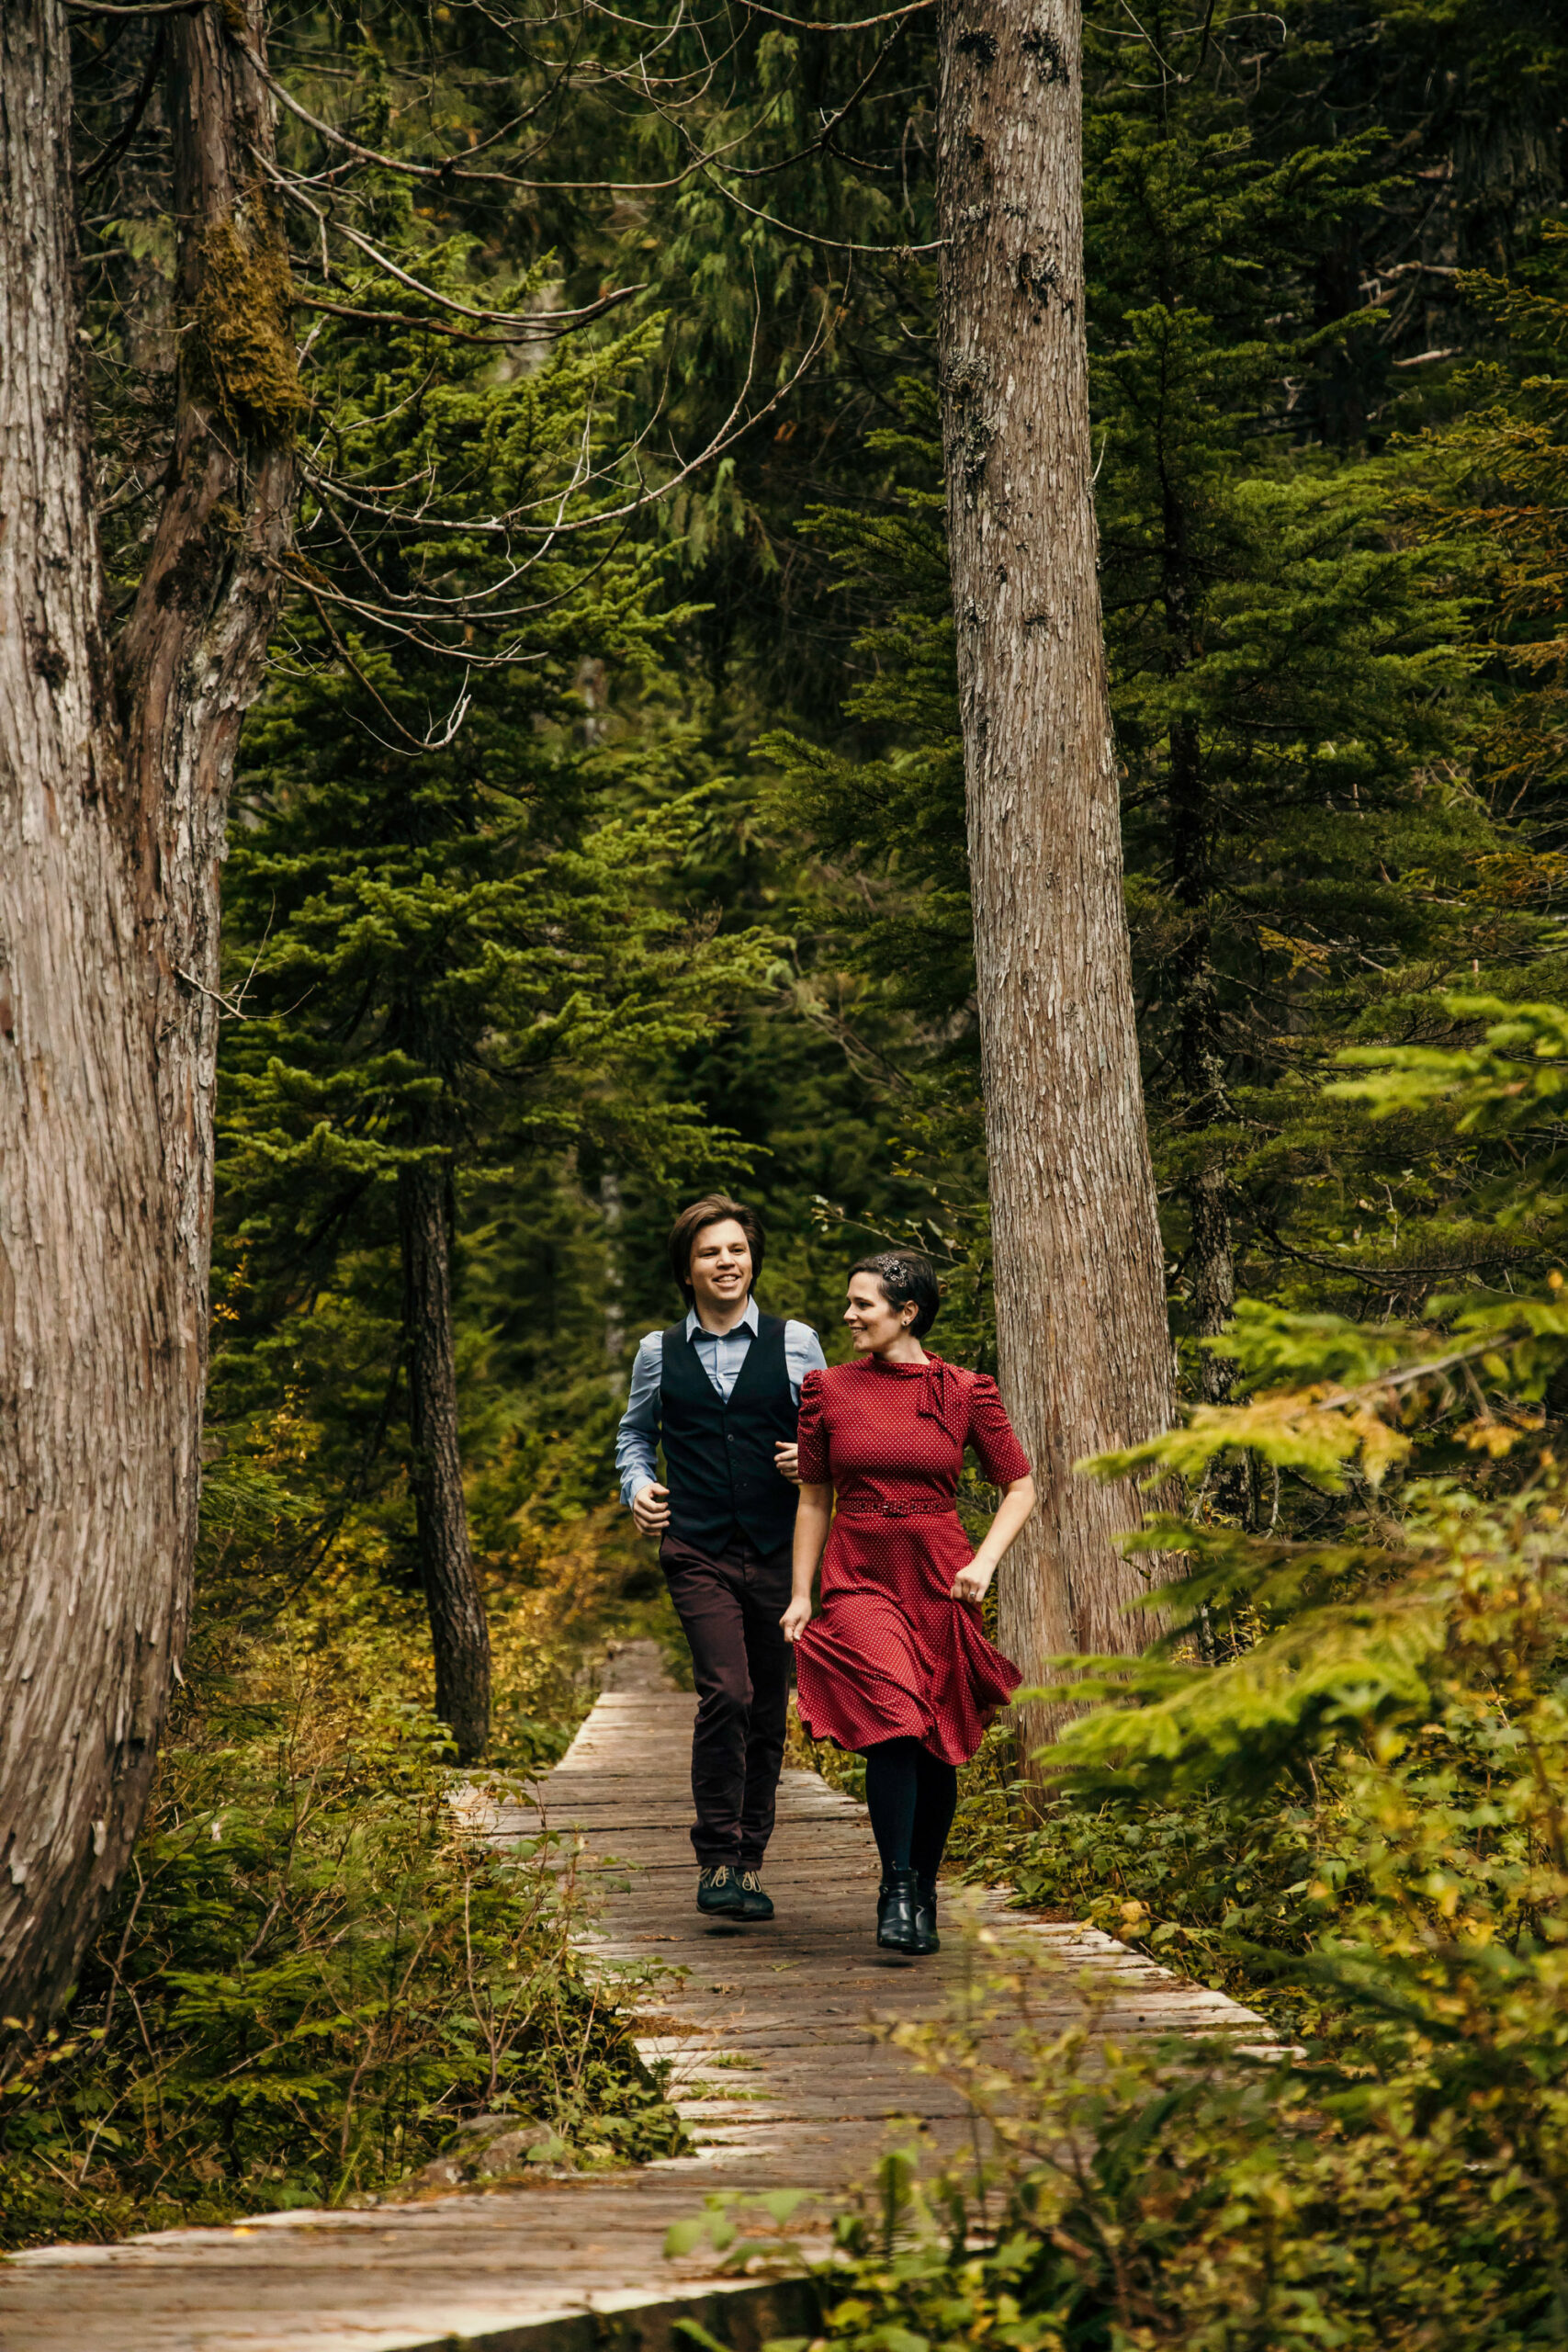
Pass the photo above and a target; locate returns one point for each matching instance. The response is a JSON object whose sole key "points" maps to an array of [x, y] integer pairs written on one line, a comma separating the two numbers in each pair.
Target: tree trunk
{"points": [[113, 793], [458, 1631], [613, 1209], [1081, 1332], [1210, 1264], [1210, 1270]]}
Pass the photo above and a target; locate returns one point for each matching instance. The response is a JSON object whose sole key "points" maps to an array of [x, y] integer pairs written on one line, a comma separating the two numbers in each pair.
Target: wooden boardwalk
{"points": [[778, 2072]]}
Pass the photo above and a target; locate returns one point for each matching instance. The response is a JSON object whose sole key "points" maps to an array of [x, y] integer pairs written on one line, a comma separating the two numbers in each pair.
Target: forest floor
{"points": [[779, 2063]]}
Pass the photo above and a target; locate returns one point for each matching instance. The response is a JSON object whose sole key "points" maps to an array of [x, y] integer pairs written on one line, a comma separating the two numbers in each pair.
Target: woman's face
{"points": [[874, 1323]]}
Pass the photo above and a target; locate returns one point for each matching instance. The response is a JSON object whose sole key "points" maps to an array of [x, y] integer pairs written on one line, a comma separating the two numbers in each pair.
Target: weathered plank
{"points": [[777, 2067]]}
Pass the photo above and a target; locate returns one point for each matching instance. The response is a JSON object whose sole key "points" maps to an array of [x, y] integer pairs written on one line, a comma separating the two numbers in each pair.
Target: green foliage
{"points": [[1491, 473], [454, 936], [1336, 1781], [1334, 1785], [315, 1969], [1202, 1884], [1302, 712], [892, 805], [462, 928], [1144, 2200], [573, 952]]}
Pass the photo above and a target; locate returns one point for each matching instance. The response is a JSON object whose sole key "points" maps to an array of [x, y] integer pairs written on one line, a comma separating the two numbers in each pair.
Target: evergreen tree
{"points": [[451, 939], [1281, 672], [1295, 704]]}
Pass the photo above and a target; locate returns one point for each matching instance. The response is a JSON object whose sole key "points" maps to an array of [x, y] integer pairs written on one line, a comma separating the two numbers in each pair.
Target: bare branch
{"points": [[855, 25], [531, 322], [148, 9], [447, 172], [113, 149], [548, 325], [189, 978], [429, 742], [834, 244]]}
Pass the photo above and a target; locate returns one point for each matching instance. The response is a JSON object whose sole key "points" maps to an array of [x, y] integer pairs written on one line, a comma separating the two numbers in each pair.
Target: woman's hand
{"points": [[1017, 1501], [811, 1518], [796, 1618], [971, 1583]]}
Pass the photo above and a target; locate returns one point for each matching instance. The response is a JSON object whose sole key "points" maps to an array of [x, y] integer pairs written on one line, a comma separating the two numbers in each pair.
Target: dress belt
{"points": [[898, 1510]]}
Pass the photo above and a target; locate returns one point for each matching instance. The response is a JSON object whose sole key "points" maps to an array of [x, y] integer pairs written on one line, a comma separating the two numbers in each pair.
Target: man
{"points": [[722, 1387]]}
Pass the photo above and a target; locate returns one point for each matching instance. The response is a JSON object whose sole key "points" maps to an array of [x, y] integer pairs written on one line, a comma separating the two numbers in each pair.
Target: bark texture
{"points": [[114, 779], [1082, 1338], [459, 1631], [1211, 1271], [1211, 1264]]}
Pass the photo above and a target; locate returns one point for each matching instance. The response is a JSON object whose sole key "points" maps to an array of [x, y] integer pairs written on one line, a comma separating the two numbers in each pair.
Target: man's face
{"points": [[721, 1265]]}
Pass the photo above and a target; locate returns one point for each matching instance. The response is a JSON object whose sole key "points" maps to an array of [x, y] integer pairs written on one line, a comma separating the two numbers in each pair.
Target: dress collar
{"points": [[748, 1323], [941, 1398], [941, 1391]]}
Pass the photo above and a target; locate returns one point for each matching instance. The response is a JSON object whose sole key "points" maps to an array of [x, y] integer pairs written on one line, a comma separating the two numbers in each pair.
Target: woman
{"points": [[897, 1665]]}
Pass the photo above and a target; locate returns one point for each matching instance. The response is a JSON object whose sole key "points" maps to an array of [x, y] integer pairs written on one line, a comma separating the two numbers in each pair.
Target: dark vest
{"points": [[720, 1456]]}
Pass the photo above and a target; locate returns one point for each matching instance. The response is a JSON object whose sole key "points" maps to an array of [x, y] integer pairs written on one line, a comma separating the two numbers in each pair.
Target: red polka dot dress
{"points": [[891, 1656]]}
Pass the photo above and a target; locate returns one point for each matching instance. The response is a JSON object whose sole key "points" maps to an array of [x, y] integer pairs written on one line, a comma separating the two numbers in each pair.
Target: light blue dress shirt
{"points": [[721, 1355]]}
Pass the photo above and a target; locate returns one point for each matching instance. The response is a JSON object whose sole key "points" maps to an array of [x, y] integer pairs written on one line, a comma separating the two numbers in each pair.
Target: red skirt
{"points": [[891, 1655]]}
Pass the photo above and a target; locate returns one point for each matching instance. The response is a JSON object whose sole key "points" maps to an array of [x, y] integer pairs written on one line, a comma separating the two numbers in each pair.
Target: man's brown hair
{"points": [[717, 1208]]}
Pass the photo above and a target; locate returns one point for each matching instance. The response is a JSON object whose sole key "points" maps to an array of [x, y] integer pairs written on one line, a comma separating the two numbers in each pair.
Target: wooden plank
{"points": [[577, 2265]]}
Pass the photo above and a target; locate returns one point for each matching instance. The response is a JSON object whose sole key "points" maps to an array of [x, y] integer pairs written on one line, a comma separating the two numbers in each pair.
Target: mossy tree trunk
{"points": [[115, 768], [1084, 1351]]}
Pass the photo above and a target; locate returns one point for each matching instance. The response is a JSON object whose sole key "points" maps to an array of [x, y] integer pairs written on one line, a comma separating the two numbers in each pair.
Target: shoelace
{"points": [[715, 1877], [752, 1881]]}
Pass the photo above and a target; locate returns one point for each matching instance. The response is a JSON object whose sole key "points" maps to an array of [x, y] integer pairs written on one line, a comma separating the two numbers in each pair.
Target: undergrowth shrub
{"points": [[1147, 2199], [1398, 2179], [1200, 1885], [1339, 1776], [314, 1970]]}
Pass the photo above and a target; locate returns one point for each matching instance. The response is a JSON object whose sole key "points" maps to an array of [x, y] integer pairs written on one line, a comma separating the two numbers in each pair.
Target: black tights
{"points": [[912, 1797]]}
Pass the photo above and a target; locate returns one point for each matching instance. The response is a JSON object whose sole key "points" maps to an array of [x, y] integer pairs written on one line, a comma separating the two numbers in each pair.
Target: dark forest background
{"points": [[682, 901], [599, 837]]}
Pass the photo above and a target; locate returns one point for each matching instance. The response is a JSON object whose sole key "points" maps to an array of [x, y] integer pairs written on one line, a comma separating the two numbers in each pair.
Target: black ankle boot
{"points": [[927, 1938], [895, 1913]]}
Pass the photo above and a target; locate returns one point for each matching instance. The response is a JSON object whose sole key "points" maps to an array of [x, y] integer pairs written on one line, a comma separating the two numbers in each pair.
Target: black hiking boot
{"points": [[895, 1913], [754, 1903], [925, 1915], [720, 1892]]}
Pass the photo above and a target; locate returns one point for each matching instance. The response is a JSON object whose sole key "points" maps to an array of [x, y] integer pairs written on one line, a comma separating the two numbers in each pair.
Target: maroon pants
{"points": [[729, 1604]]}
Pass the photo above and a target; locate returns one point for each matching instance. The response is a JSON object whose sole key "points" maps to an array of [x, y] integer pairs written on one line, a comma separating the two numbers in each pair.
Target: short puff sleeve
{"points": [[990, 1434], [812, 1434]]}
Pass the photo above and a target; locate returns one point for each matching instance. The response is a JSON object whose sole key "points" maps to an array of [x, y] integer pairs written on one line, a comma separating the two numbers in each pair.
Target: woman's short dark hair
{"points": [[907, 1279], [717, 1208]]}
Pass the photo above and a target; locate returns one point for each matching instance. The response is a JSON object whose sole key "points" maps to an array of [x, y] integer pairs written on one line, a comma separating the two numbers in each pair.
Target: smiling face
{"points": [[720, 1271], [874, 1323]]}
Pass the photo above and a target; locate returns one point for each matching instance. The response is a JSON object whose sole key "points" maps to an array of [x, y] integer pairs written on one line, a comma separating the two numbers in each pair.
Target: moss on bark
{"points": [[241, 346]]}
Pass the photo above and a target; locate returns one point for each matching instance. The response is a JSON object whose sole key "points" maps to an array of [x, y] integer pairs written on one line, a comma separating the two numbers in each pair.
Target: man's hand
{"points": [[651, 1508], [786, 1461], [796, 1619], [971, 1583]]}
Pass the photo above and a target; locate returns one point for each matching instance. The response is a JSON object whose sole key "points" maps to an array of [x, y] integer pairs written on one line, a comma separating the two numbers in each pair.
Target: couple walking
{"points": [[771, 1457]]}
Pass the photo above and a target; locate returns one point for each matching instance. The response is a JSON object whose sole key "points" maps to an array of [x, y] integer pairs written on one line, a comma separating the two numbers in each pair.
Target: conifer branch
{"points": [[810, 237], [446, 172]]}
